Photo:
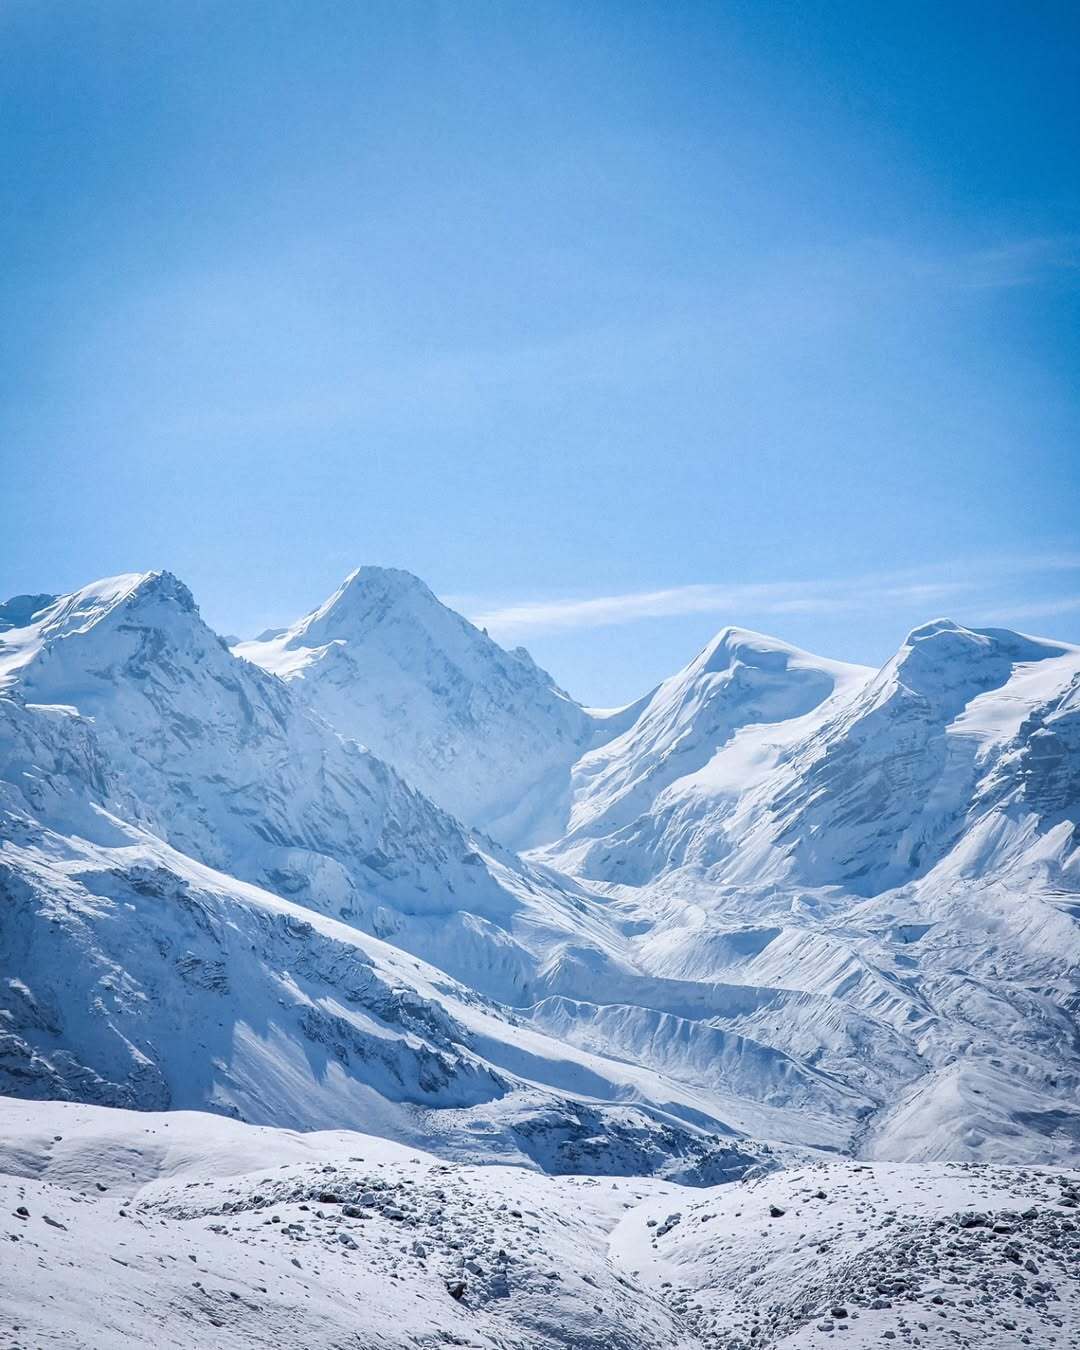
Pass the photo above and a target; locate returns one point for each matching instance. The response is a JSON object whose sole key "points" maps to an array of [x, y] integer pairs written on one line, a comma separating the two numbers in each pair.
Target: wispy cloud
{"points": [[764, 598], [923, 588]]}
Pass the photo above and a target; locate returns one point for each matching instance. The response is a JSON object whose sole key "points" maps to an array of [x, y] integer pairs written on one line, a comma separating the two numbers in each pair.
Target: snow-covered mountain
{"points": [[177, 828], [934, 744], [213, 755], [903, 844], [484, 732], [638, 802], [780, 904], [761, 762]]}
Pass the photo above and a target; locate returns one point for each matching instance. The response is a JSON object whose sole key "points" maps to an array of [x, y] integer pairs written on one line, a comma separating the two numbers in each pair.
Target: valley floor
{"points": [[178, 1229]]}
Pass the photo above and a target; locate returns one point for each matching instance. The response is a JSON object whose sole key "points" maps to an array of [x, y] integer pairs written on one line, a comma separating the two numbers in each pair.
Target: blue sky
{"points": [[614, 322]]}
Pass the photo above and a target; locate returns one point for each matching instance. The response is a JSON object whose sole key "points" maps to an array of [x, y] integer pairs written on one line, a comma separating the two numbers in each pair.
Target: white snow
{"points": [[483, 732], [782, 918], [124, 1228]]}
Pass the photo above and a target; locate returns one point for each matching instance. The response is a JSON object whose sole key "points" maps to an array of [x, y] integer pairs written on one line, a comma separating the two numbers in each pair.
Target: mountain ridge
{"points": [[788, 903], [488, 735]]}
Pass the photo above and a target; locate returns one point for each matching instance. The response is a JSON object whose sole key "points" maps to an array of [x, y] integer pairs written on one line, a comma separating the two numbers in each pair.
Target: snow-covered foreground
{"points": [[176, 1229]]}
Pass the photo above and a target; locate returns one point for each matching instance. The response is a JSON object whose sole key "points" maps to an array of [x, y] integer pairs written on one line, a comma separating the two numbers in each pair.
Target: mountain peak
{"points": [[369, 574], [471, 725], [943, 650], [733, 644], [933, 628], [97, 598], [367, 593], [161, 585], [392, 581], [37, 623]]}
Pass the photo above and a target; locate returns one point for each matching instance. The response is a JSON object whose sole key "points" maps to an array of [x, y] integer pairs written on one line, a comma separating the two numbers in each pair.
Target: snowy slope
{"points": [[639, 802], [179, 1229], [936, 1255], [798, 902], [133, 976], [96, 900], [213, 755], [482, 731], [219, 759], [760, 762], [898, 864], [890, 784], [183, 1229]]}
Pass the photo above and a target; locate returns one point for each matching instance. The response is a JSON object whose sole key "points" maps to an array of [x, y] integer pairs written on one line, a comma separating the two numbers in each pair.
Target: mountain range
{"points": [[373, 872]]}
